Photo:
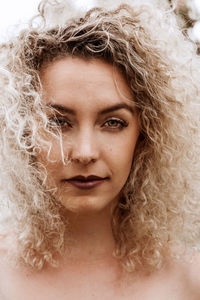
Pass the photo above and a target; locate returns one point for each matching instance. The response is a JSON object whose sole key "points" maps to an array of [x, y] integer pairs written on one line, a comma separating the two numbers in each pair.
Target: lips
{"points": [[87, 182]]}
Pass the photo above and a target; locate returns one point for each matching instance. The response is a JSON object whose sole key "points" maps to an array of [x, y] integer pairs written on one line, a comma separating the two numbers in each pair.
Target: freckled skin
{"points": [[95, 143], [103, 145]]}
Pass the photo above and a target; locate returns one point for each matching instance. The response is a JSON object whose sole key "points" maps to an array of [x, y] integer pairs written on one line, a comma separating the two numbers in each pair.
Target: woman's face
{"points": [[99, 132]]}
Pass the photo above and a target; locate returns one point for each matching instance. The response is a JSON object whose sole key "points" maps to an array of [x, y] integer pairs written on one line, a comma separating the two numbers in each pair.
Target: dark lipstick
{"points": [[85, 183]]}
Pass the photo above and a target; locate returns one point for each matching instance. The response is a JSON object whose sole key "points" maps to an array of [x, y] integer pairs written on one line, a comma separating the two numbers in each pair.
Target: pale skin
{"points": [[100, 130]]}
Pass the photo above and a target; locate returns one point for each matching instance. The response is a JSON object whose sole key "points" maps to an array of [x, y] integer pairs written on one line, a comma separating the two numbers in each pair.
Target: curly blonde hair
{"points": [[159, 203]]}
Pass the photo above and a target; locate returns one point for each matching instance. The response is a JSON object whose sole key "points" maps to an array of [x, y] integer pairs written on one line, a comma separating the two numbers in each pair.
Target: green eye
{"points": [[59, 122], [115, 124]]}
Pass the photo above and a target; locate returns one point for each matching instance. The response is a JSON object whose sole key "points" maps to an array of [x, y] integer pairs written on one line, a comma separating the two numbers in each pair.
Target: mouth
{"points": [[87, 182]]}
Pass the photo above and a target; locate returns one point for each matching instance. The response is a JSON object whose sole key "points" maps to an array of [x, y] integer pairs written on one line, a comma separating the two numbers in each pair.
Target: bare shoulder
{"points": [[195, 268], [190, 268]]}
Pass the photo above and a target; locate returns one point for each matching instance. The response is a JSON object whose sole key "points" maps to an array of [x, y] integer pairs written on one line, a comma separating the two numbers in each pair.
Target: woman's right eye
{"points": [[62, 123]]}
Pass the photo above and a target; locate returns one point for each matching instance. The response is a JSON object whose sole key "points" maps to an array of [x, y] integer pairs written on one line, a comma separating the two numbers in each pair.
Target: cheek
{"points": [[50, 158], [121, 155], [50, 152], [128, 152]]}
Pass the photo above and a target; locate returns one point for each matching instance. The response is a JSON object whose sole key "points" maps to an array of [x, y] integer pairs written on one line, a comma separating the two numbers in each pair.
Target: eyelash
{"points": [[63, 123], [59, 122], [120, 124]]}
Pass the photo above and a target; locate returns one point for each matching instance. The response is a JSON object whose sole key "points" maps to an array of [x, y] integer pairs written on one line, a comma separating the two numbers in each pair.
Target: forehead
{"points": [[84, 86], [74, 77]]}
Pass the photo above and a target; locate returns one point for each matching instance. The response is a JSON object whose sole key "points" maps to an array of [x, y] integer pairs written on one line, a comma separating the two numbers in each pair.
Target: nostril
{"points": [[83, 160], [85, 150]]}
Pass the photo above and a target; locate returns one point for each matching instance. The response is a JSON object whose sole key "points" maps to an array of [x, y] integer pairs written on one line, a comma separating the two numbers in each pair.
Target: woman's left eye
{"points": [[115, 124]]}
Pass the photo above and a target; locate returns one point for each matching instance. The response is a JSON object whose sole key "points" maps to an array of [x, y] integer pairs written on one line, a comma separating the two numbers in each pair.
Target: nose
{"points": [[84, 147]]}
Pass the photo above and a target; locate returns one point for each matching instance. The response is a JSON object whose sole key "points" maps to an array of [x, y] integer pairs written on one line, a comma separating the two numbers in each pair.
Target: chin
{"points": [[86, 204]]}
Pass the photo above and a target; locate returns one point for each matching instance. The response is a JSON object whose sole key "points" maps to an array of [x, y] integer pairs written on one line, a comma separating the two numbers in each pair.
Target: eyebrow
{"points": [[65, 109]]}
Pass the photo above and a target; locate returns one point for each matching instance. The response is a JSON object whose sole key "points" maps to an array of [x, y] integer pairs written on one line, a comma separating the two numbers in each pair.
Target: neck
{"points": [[91, 235]]}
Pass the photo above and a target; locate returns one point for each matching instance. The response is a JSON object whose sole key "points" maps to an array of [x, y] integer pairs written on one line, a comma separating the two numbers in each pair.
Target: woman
{"points": [[99, 156]]}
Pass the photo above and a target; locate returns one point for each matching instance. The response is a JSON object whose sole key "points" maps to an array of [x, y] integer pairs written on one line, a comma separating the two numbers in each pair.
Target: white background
{"points": [[18, 12], [13, 12]]}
